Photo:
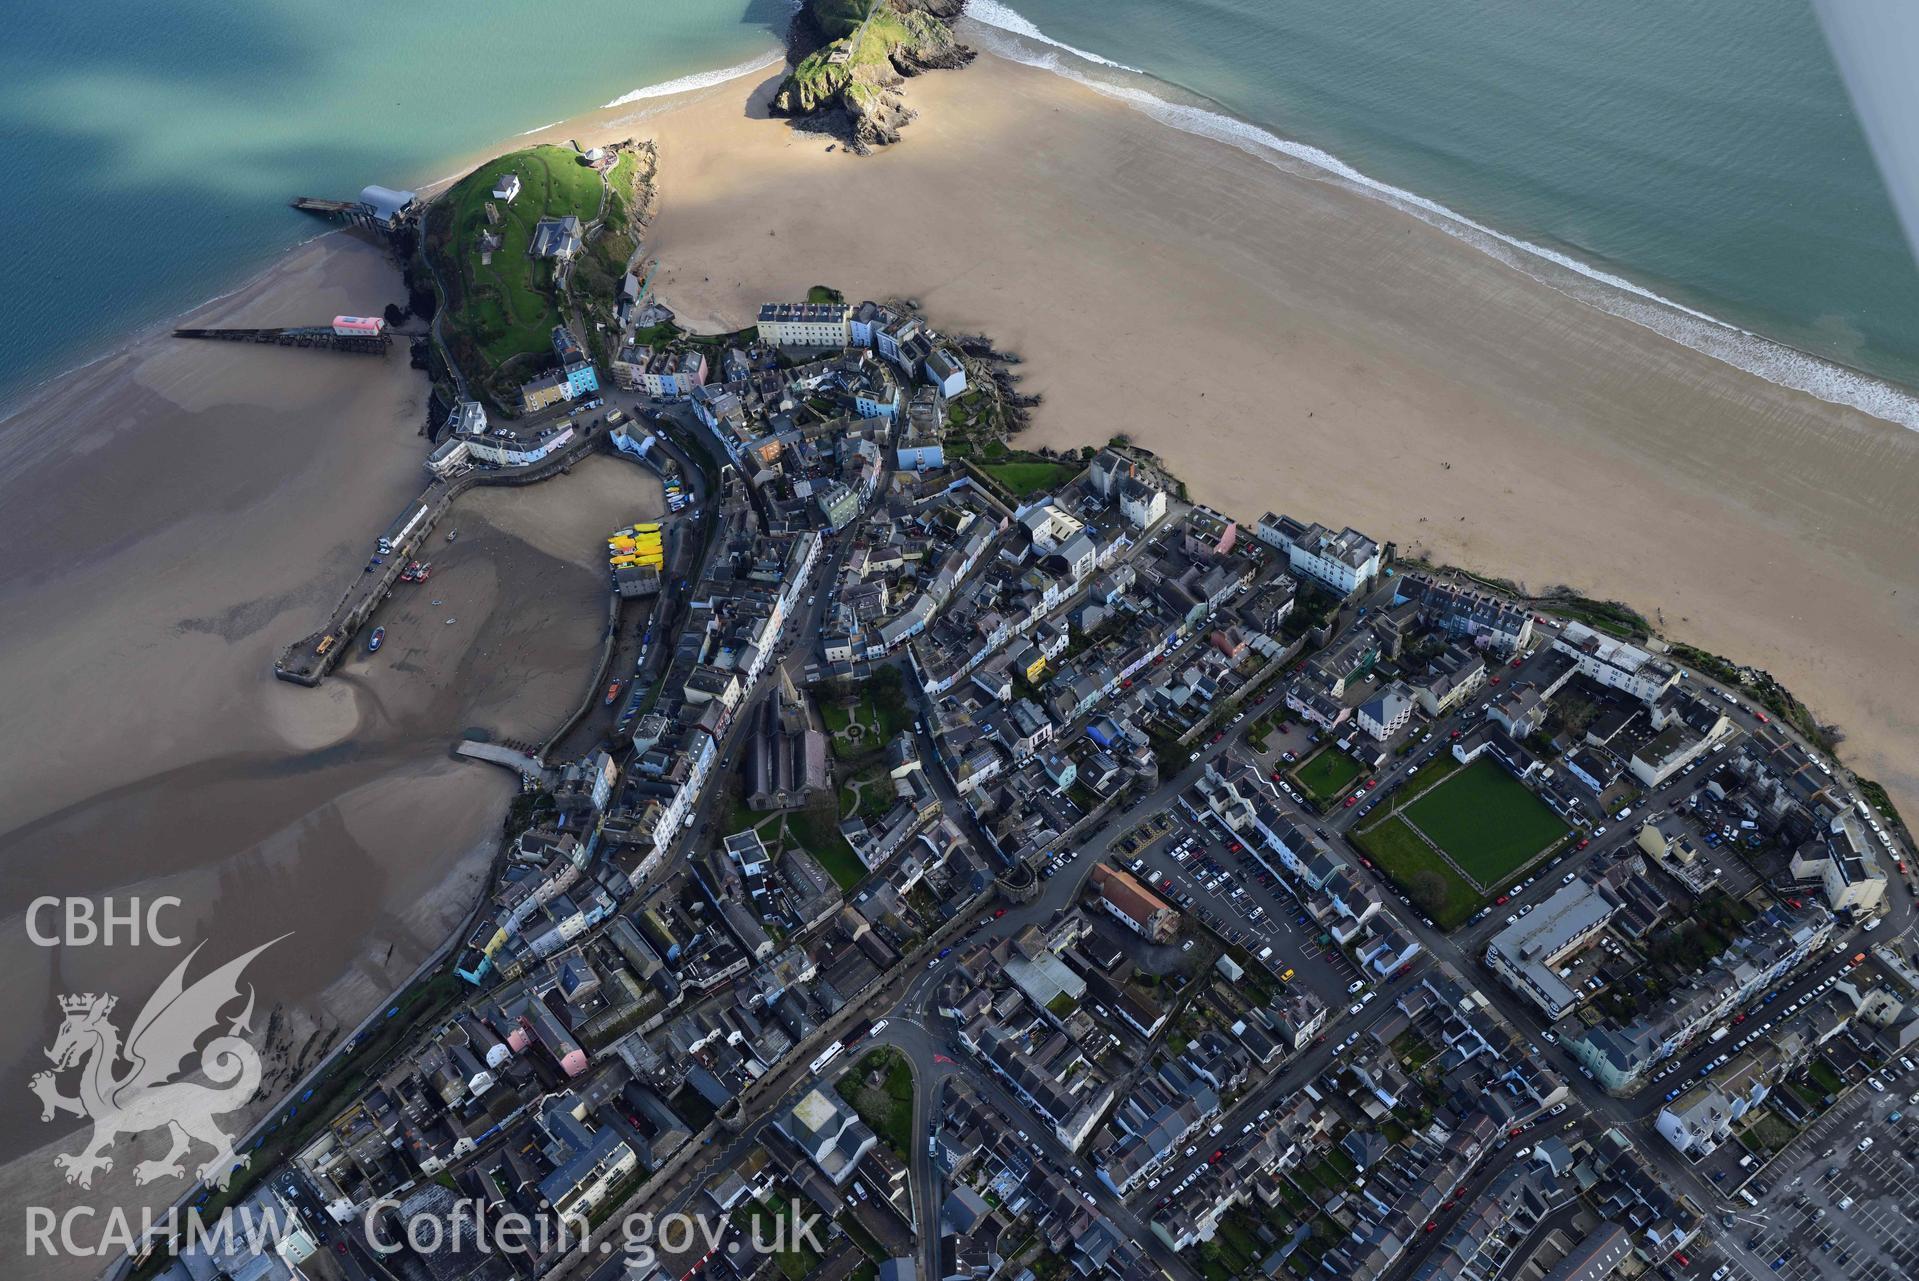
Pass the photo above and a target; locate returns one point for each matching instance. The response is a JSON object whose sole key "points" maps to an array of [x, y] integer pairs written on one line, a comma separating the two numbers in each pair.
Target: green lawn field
{"points": [[1440, 891], [1486, 821], [1327, 774], [1022, 479]]}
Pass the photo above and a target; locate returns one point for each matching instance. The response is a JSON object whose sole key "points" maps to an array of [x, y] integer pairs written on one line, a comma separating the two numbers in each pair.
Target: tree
{"points": [[395, 316], [1576, 713], [888, 690]]}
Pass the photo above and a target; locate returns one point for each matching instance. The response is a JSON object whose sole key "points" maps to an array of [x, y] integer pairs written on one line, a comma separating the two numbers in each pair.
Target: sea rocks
{"points": [[847, 71]]}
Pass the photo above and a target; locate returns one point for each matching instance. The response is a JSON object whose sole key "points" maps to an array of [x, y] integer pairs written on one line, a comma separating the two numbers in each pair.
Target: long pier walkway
{"points": [[317, 336]]}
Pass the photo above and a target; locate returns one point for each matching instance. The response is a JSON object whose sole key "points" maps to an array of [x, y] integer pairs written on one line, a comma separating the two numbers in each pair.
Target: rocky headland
{"points": [[851, 57]]}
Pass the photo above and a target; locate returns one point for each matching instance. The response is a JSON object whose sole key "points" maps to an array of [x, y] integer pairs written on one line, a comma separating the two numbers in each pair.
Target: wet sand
{"points": [[173, 518]]}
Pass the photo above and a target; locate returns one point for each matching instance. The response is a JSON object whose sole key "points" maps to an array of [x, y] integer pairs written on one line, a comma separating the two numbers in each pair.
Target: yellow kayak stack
{"points": [[636, 545]]}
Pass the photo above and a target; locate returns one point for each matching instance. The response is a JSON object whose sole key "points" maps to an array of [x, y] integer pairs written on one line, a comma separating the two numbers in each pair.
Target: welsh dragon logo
{"points": [[131, 1089]]}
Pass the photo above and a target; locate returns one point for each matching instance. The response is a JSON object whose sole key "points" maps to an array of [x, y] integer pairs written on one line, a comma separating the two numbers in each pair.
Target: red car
{"points": [[1431, 1226], [1320, 1039], [1365, 861], [1351, 801], [1679, 1257], [998, 912], [1763, 720], [1517, 660], [1492, 680], [1215, 1157], [1502, 899], [1584, 841]]}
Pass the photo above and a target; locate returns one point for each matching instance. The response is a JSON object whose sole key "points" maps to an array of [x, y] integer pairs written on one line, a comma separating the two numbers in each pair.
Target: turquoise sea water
{"points": [[1703, 154], [148, 151]]}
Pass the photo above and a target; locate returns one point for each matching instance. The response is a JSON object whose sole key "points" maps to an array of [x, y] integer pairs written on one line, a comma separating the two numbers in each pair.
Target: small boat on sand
{"points": [[376, 640]]}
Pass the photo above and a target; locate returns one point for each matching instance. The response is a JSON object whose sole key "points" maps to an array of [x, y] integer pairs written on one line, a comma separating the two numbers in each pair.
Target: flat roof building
{"points": [[1615, 664], [1529, 952]]}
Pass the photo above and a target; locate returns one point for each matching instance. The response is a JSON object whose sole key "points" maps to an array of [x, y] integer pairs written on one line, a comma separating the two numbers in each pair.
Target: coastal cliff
{"points": [[850, 58]]}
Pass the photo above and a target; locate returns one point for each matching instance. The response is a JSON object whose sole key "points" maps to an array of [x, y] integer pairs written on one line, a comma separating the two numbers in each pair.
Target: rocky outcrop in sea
{"points": [[849, 64]]}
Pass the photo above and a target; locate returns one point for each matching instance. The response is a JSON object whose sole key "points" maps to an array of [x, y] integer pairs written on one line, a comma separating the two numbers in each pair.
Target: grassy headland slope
{"points": [[861, 50], [499, 313]]}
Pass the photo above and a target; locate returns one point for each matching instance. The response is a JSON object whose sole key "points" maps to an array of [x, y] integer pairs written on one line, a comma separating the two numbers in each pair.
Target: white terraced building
{"points": [[805, 324], [1341, 561], [1615, 664]]}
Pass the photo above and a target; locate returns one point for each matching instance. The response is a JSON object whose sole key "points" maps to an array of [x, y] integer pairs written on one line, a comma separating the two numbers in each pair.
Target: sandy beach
{"points": [[175, 515], [176, 512], [1289, 345]]}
